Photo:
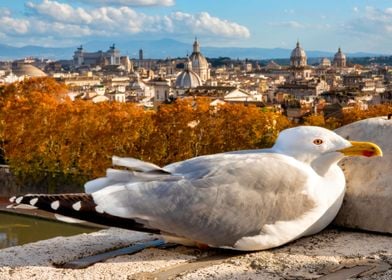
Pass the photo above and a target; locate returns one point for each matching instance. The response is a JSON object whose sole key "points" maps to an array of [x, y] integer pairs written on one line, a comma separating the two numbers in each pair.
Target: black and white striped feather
{"points": [[79, 206]]}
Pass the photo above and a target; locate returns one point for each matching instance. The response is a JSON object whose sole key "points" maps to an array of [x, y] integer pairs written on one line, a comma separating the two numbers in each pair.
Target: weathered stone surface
{"points": [[331, 254], [368, 201]]}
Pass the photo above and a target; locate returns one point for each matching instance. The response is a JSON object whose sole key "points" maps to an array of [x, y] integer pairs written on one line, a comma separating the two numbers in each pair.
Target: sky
{"points": [[353, 25]]}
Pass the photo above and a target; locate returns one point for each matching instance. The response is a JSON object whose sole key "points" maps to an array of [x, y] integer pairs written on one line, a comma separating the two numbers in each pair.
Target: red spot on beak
{"points": [[367, 153]]}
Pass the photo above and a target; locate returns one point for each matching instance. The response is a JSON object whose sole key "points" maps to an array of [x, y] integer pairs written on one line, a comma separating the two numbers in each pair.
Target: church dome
{"points": [[339, 55], [199, 62], [188, 78], [298, 56], [339, 59], [29, 70], [325, 62]]}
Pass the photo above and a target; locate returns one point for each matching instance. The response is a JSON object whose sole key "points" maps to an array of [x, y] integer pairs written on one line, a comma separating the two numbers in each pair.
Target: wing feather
{"points": [[231, 195], [137, 165]]}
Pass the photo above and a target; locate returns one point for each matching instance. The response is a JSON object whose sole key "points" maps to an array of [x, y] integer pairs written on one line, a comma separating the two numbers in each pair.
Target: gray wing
{"points": [[217, 200], [137, 171]]}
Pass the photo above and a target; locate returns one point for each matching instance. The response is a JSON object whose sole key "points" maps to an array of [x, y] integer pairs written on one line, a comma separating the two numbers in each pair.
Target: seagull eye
{"points": [[318, 141]]}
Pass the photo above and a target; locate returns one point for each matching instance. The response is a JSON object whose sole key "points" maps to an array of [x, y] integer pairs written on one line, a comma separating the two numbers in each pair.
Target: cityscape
{"points": [[178, 139], [299, 89], [280, 57]]}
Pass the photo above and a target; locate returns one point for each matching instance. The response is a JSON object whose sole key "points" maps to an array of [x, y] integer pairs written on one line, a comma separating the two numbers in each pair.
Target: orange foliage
{"points": [[190, 128], [44, 131], [349, 115], [356, 114], [317, 120], [29, 87], [66, 137]]}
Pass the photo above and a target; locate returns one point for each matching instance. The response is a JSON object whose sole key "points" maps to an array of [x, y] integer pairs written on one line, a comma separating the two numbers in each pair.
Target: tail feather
{"points": [[80, 206]]}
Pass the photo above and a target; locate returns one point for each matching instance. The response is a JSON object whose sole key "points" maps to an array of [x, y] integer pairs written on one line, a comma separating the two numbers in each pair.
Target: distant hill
{"points": [[9, 52], [164, 48]]}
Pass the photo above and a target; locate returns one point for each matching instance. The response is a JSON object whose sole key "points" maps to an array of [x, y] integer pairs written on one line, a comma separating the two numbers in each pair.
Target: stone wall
{"points": [[8, 183], [48, 183]]}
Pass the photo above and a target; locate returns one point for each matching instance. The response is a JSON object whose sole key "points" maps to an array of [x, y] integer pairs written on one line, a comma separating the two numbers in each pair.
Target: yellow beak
{"points": [[367, 149]]}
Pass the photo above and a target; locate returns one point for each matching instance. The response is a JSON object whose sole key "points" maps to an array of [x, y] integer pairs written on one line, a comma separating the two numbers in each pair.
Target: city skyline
{"points": [[353, 25]]}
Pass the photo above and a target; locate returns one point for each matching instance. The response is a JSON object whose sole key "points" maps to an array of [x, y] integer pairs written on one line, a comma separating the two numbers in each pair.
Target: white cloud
{"points": [[4, 12], [388, 11], [371, 22], [60, 29], [289, 24], [204, 23], [53, 19], [369, 30], [134, 3], [60, 12], [10, 26]]}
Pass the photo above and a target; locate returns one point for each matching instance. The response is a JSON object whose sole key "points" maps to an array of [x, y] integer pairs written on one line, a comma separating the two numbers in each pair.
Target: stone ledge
{"points": [[313, 257]]}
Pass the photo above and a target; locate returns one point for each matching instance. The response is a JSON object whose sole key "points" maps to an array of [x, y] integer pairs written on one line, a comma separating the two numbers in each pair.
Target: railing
{"points": [[11, 184], [4, 169]]}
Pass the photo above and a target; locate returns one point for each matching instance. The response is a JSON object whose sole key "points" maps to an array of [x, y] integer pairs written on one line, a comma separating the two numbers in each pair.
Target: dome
{"points": [[339, 55], [188, 78], [339, 59], [298, 52], [325, 62], [273, 65], [28, 70], [298, 56], [198, 60]]}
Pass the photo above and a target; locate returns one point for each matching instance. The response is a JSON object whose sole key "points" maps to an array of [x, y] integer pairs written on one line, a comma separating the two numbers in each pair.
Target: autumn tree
{"points": [[44, 132], [19, 101], [356, 113], [350, 115], [191, 127]]}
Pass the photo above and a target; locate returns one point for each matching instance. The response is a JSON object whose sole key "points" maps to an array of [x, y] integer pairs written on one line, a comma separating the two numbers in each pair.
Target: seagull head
{"points": [[321, 147]]}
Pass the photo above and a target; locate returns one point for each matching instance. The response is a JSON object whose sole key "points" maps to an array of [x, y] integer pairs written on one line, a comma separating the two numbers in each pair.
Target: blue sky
{"points": [[319, 25]]}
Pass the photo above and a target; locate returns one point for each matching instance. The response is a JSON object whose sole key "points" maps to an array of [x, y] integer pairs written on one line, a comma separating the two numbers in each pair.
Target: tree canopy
{"points": [[41, 129]]}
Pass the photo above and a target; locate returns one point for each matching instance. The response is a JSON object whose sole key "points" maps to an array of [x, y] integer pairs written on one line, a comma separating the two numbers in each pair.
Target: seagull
{"points": [[244, 200]]}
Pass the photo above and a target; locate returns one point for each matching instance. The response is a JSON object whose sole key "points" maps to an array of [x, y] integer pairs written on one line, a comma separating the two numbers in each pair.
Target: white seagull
{"points": [[245, 200]]}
